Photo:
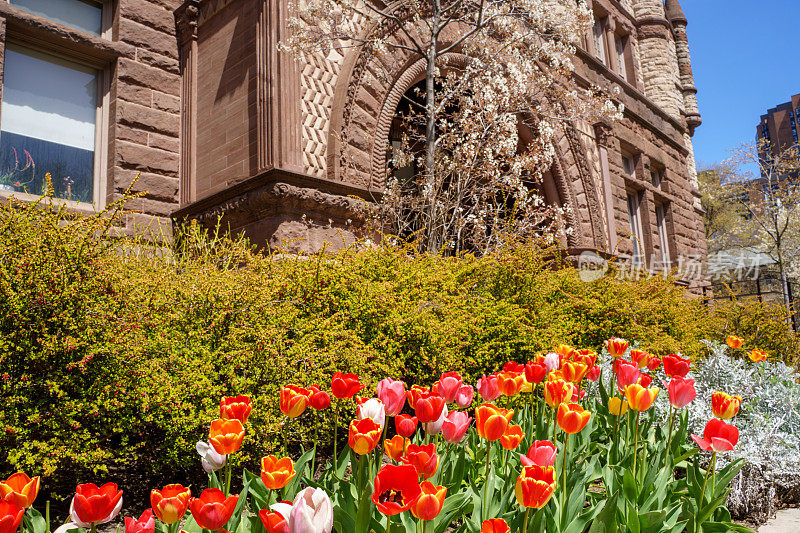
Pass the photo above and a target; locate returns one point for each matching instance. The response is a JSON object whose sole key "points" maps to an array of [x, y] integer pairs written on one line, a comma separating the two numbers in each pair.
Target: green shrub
{"points": [[114, 355]]}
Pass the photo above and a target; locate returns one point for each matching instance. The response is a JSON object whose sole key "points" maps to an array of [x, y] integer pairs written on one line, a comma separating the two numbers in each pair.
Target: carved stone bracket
{"points": [[186, 19]]}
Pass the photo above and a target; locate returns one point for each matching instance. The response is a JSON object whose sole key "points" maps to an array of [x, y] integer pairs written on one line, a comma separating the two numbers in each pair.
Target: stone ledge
{"points": [[30, 27]]}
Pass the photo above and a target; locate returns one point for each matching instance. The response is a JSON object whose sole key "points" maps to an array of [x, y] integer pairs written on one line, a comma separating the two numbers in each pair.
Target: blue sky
{"points": [[746, 59]]}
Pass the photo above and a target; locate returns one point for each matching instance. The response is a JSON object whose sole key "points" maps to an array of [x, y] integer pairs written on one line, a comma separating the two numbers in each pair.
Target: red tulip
{"points": [[429, 407], [145, 524], [10, 516], [415, 392], [645, 379], [170, 503], [513, 366], [93, 504], [593, 373], [487, 388], [423, 458], [718, 436], [653, 363], [212, 509], [676, 366], [393, 395], [273, 521], [541, 452], [447, 386], [455, 426], [319, 399], [535, 372], [405, 425], [345, 385], [396, 489], [681, 392], [495, 525], [627, 374], [237, 407]]}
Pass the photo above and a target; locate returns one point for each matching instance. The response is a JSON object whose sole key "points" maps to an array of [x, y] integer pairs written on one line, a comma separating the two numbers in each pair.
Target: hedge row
{"points": [[113, 363]]}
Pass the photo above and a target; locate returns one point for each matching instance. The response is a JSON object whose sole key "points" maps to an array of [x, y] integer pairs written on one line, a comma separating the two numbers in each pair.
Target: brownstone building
{"points": [[196, 97]]}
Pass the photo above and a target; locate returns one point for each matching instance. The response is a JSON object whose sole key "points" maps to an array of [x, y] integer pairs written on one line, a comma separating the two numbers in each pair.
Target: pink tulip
{"points": [[455, 426], [447, 386], [627, 374], [145, 524], [593, 373], [487, 387], [464, 396], [541, 452], [681, 392], [718, 436], [393, 395]]}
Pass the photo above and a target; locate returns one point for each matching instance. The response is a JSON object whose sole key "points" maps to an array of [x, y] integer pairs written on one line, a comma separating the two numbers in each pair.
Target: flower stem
{"points": [[486, 481], [47, 515], [564, 480], [314, 456], [635, 444], [228, 478], [525, 520], [703, 492], [335, 428], [388, 523], [669, 437]]}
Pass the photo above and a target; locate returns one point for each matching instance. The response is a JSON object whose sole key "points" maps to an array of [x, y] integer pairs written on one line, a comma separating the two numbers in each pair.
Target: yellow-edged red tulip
{"points": [[640, 398], [617, 406], [558, 391], [757, 355], [535, 486], [734, 342], [492, 421], [640, 357], [429, 504], [294, 400], [572, 418], [276, 473], [226, 436], [724, 405], [19, 489], [364, 435], [616, 347], [512, 437], [170, 503], [565, 351], [238, 407]]}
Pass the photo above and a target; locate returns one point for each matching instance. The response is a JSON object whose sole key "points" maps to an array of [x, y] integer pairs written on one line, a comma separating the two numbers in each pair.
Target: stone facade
{"points": [[222, 124]]}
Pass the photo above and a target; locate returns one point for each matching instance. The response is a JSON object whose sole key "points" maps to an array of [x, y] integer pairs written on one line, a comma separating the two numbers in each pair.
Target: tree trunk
{"points": [[430, 124]]}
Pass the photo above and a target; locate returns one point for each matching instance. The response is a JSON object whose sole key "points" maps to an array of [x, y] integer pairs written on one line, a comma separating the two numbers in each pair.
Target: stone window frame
{"points": [[668, 238], [617, 23], [34, 32]]}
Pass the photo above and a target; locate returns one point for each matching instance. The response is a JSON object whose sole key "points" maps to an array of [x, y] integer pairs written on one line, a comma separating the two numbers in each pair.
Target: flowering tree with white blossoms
{"points": [[478, 130]]}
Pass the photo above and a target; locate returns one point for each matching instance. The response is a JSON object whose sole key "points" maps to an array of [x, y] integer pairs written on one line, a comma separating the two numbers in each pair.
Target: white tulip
{"points": [[552, 361], [312, 512], [212, 461], [374, 409]]}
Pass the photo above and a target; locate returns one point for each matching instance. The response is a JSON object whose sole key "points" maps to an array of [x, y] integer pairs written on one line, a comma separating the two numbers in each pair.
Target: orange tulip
{"points": [[430, 502], [226, 436], [492, 421], [616, 346], [10, 516], [19, 489], [572, 418], [495, 525], [212, 510], [734, 342], [364, 435], [276, 473], [237, 407], [640, 398], [574, 371], [395, 447], [510, 383], [512, 437], [170, 503], [565, 351], [294, 400], [423, 458], [757, 355], [724, 405], [557, 392], [535, 486]]}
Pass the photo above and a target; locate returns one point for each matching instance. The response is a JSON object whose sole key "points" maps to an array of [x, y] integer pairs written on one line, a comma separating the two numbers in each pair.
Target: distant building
{"points": [[779, 126]]}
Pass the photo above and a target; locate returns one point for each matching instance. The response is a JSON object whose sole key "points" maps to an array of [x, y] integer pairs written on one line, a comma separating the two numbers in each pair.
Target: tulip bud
{"points": [[447, 386], [455, 426], [464, 396], [393, 395], [312, 512], [487, 388], [430, 502], [212, 461], [405, 425], [434, 428]]}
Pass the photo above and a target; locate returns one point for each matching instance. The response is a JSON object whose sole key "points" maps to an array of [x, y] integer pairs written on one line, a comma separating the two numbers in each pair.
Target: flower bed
{"points": [[563, 443]]}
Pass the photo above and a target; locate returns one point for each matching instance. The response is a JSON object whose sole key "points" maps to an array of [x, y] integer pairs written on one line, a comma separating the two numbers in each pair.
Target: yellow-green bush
{"points": [[113, 360]]}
